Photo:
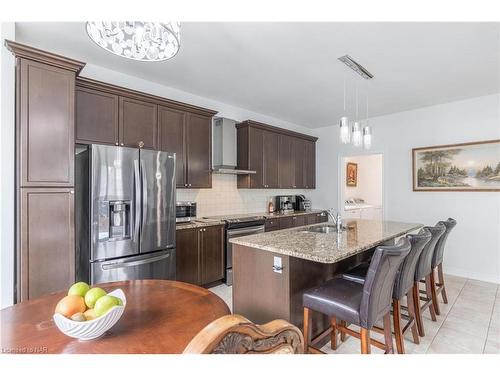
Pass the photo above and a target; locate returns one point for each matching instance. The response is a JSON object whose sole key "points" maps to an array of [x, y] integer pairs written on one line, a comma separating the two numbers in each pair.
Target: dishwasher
{"points": [[239, 227]]}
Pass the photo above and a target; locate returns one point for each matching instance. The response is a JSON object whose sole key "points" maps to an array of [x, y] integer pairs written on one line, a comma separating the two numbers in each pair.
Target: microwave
{"points": [[185, 211]]}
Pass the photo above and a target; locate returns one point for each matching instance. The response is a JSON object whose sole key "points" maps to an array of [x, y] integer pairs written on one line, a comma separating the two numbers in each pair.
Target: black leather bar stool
{"points": [[359, 304], [437, 265], [423, 272], [403, 286]]}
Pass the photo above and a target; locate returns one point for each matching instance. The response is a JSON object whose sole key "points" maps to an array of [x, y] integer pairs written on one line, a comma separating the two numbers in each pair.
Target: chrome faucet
{"points": [[337, 219]]}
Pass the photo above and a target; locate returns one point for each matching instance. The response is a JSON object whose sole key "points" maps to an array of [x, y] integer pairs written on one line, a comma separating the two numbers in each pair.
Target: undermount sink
{"points": [[324, 229]]}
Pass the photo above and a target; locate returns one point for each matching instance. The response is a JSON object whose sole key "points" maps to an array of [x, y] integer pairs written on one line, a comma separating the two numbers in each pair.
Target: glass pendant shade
{"points": [[367, 137], [356, 134], [344, 130], [143, 41]]}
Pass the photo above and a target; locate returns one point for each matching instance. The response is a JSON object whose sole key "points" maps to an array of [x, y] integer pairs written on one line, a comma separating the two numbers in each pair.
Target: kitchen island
{"points": [[273, 269]]}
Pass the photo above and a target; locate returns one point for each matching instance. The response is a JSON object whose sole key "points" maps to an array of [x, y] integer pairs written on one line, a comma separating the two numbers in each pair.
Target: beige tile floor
{"points": [[469, 323]]}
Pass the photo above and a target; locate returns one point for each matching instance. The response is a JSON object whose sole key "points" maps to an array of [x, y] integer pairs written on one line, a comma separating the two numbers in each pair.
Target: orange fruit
{"points": [[70, 305]]}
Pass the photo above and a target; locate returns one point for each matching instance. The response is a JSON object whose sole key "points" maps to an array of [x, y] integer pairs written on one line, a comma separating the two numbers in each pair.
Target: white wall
{"points": [[473, 248], [7, 115], [369, 185]]}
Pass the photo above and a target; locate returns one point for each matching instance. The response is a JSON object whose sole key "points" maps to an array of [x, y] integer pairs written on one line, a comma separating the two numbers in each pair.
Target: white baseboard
{"points": [[490, 278]]}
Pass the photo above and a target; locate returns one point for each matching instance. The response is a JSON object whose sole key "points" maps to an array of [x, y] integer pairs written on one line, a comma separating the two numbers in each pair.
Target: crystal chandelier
{"points": [[143, 41]]}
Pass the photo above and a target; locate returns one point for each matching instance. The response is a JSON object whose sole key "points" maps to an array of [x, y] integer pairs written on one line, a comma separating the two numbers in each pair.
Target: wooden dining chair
{"points": [[234, 334]]}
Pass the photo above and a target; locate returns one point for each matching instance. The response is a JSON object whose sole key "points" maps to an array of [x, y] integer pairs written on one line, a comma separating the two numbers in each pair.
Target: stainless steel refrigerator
{"points": [[125, 214]]}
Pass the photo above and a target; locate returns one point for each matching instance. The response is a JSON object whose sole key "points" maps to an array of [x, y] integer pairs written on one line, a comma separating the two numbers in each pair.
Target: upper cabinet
{"points": [[171, 138], [45, 124], [198, 146], [96, 117], [138, 123], [113, 115], [281, 158]]}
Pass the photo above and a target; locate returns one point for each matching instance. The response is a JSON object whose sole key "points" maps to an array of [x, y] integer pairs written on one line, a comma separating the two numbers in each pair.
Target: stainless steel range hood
{"points": [[224, 147]]}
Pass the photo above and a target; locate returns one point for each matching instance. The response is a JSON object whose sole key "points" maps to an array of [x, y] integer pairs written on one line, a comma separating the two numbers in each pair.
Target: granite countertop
{"points": [[198, 223], [218, 220], [265, 215], [294, 213], [327, 247]]}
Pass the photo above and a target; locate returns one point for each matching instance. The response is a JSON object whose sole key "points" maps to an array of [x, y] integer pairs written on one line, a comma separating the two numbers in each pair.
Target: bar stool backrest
{"points": [[424, 265], [379, 282], [437, 257], [406, 274]]}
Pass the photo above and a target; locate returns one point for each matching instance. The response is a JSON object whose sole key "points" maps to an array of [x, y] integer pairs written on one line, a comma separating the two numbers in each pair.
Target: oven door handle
{"points": [[235, 232]]}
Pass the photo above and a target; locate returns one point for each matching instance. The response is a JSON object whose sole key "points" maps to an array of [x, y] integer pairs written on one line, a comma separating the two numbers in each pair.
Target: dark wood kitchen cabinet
{"points": [[45, 141], [299, 162], [200, 255], [270, 169], [198, 150], [212, 254], [46, 112], [310, 165], [187, 262], [286, 162], [292, 221], [171, 133], [189, 136], [47, 257], [118, 116], [138, 123], [260, 154], [280, 158], [96, 117]]}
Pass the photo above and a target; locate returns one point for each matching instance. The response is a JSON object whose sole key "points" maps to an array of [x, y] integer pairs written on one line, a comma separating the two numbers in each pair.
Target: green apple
{"points": [[104, 304], [93, 295], [79, 289]]}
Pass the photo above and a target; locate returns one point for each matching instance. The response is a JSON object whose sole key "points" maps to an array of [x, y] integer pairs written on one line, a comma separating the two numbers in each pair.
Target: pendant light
{"points": [[367, 131], [357, 139], [344, 122]]}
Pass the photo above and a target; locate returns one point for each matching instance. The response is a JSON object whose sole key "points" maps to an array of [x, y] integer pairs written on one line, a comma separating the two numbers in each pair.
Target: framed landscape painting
{"points": [[462, 167]]}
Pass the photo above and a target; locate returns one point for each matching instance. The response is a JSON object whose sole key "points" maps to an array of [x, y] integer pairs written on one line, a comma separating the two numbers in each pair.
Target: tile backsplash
{"points": [[224, 198]]}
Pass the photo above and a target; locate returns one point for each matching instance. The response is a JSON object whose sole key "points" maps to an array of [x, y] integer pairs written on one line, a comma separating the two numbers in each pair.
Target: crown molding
{"points": [[31, 53]]}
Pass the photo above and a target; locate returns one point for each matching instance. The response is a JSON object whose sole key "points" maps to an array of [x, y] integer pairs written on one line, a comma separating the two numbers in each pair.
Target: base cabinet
{"points": [[277, 223], [200, 255], [46, 262]]}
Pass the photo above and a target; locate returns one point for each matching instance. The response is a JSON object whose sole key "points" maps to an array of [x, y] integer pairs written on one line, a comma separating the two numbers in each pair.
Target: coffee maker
{"points": [[302, 203], [285, 203]]}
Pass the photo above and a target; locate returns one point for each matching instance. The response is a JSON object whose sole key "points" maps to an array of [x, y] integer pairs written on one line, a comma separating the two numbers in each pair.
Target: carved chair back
{"points": [[234, 334]]}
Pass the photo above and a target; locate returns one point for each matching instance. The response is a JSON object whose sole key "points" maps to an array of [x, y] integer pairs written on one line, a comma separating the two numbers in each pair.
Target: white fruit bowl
{"points": [[95, 328]]}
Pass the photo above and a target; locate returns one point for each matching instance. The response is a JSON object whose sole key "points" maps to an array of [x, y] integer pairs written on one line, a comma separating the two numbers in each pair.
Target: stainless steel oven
{"points": [[239, 228], [185, 212]]}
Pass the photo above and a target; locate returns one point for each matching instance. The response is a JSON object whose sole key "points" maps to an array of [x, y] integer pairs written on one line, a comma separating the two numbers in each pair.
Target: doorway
{"points": [[361, 187]]}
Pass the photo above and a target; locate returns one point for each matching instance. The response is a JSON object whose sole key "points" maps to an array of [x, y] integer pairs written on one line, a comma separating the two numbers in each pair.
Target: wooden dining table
{"points": [[160, 317]]}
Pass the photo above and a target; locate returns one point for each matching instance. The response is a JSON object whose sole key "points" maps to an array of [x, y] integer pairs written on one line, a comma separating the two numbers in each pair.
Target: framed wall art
{"points": [[352, 174], [471, 166]]}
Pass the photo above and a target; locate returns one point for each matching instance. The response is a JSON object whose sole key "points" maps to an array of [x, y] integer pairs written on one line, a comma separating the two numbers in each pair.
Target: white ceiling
{"points": [[290, 70]]}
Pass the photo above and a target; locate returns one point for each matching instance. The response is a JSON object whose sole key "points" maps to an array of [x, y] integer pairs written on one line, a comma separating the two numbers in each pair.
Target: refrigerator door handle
{"points": [[137, 180], [144, 195], [114, 265]]}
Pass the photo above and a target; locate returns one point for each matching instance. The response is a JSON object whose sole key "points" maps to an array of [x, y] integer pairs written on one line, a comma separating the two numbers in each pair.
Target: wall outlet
{"points": [[277, 265]]}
